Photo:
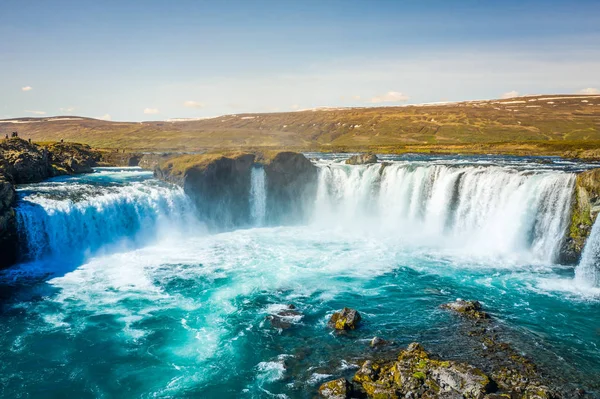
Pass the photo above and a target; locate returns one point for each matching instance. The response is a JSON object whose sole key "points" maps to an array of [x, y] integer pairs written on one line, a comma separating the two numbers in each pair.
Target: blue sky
{"points": [[149, 60]]}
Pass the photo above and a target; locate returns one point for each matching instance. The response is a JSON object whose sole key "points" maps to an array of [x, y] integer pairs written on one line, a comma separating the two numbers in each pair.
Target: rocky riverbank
{"points": [[23, 162]]}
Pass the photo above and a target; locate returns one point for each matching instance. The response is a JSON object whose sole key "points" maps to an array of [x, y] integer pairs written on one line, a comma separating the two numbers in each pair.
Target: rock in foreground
{"points": [[336, 389], [346, 319], [416, 375], [469, 309], [362, 159]]}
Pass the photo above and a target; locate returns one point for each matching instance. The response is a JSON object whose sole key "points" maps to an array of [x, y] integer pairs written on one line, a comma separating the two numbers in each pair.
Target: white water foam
{"points": [[258, 196]]}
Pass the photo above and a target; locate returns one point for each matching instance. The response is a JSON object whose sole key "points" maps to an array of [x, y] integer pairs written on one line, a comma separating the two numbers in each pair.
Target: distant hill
{"points": [[547, 124]]}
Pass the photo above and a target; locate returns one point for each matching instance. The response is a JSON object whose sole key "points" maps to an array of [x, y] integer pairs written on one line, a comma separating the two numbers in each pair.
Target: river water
{"points": [[123, 293]]}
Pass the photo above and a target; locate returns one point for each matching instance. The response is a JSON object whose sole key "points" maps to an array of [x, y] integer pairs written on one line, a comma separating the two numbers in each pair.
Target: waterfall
{"points": [[489, 210], [258, 196], [587, 273], [65, 220]]}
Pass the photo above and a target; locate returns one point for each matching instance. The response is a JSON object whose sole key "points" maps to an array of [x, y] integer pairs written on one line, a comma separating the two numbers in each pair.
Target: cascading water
{"points": [[65, 219], [587, 273], [200, 314], [486, 210], [258, 196]]}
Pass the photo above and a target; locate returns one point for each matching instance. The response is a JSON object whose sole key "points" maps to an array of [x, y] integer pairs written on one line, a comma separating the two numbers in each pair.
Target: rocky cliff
{"points": [[24, 162], [291, 187], [584, 210], [220, 185]]}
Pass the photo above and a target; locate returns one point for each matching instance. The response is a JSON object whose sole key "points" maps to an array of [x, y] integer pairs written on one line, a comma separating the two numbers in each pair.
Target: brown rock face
{"points": [[291, 187], [22, 162], [72, 158], [345, 319], [362, 159]]}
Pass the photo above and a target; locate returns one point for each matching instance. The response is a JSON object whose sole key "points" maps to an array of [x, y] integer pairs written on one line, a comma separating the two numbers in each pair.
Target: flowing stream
{"points": [[123, 293]]}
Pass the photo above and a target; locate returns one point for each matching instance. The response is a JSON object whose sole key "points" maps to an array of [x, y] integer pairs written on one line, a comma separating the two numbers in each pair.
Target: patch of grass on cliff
{"points": [[180, 164]]}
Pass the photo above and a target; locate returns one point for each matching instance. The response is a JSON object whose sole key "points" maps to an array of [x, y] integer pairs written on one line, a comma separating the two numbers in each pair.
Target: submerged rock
{"points": [[336, 389], [377, 342], [285, 318], [362, 159], [346, 319], [470, 309]]}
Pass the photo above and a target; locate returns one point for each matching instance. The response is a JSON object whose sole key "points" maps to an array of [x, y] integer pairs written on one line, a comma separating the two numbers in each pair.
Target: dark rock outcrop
{"points": [[585, 207], [23, 162], [416, 375], [291, 187], [218, 184], [285, 318], [120, 158], [8, 233], [345, 319], [469, 309], [362, 159], [72, 158], [151, 161]]}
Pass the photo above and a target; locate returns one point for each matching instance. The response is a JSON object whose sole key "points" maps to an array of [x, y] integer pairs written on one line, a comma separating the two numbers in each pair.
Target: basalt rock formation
{"points": [[291, 186], [220, 185]]}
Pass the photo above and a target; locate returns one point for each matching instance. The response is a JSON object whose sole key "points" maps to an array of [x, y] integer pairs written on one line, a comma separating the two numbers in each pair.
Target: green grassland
{"points": [[549, 125]]}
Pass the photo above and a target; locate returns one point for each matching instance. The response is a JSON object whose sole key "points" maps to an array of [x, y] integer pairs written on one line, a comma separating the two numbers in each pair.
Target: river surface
{"points": [[123, 293]]}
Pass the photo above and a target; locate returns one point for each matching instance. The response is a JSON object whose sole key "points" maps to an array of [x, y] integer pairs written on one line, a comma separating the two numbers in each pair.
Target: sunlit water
{"points": [[158, 307]]}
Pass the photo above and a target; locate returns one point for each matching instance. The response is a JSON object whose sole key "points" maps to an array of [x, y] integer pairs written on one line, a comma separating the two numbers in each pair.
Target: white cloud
{"points": [[105, 117], [36, 112], [510, 94], [358, 97], [295, 107], [68, 109], [26, 88], [390, 97], [590, 90], [150, 111], [193, 104]]}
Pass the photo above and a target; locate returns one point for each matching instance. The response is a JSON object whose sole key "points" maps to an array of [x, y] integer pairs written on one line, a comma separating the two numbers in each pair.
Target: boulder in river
{"points": [[362, 159], [469, 309], [284, 318], [345, 319]]}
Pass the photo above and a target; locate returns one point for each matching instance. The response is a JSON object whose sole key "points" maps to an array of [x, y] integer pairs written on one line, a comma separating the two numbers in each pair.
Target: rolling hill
{"points": [[550, 124]]}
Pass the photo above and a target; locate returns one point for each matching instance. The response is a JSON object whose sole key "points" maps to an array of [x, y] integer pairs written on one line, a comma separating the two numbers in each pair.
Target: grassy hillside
{"points": [[552, 124]]}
